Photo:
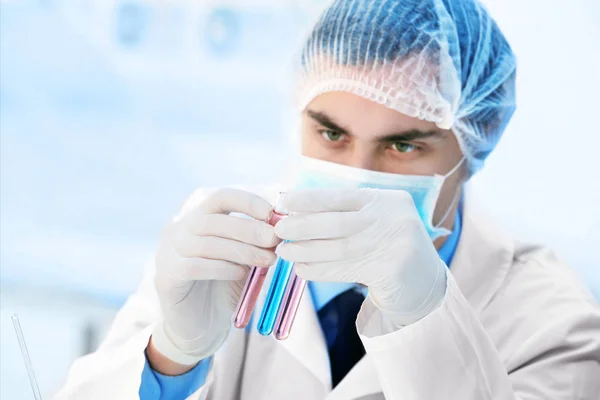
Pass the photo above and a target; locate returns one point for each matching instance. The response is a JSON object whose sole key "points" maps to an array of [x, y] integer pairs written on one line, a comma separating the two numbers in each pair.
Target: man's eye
{"points": [[331, 136], [404, 147]]}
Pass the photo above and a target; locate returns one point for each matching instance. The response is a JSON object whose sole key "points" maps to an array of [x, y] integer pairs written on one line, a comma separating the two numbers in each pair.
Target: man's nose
{"points": [[363, 158]]}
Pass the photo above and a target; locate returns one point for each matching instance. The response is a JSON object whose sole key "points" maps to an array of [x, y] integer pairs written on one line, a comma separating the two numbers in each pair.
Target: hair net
{"points": [[443, 61]]}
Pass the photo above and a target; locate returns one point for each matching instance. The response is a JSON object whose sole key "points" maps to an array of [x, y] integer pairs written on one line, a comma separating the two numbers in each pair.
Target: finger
{"points": [[335, 271], [310, 251], [320, 200], [327, 225], [226, 200], [202, 269], [216, 248], [257, 233]]}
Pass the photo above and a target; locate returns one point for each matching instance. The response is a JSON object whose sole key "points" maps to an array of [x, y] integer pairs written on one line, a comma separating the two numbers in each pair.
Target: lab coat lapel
{"points": [[482, 259], [361, 382], [306, 342], [295, 368]]}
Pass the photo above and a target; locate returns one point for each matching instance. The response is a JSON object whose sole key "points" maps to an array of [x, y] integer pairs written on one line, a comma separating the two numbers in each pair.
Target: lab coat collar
{"points": [[482, 259]]}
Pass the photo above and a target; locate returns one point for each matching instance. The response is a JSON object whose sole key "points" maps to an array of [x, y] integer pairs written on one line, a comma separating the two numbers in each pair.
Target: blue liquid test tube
{"points": [[283, 271]]}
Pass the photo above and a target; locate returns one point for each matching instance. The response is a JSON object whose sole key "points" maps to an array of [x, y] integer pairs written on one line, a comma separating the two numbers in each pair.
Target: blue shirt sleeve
{"points": [[156, 386]]}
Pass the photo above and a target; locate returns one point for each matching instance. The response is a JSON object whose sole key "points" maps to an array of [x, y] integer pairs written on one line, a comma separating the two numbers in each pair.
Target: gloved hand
{"points": [[368, 236], [201, 266]]}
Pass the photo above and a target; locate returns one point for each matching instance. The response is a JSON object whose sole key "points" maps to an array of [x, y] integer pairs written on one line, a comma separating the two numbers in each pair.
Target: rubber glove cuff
{"points": [[406, 311], [171, 346]]}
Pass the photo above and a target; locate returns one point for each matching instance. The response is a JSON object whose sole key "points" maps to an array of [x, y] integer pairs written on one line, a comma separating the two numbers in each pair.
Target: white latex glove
{"points": [[368, 236], [201, 266]]}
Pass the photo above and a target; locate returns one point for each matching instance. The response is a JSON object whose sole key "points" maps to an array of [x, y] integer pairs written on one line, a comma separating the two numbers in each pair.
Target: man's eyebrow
{"points": [[326, 121], [409, 135], [405, 136]]}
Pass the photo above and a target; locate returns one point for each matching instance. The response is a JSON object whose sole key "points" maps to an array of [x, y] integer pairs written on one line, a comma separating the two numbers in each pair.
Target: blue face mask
{"points": [[424, 190]]}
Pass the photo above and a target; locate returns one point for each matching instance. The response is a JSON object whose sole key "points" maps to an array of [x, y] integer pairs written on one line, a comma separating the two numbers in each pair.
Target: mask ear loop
{"points": [[456, 167], [455, 199], [450, 207]]}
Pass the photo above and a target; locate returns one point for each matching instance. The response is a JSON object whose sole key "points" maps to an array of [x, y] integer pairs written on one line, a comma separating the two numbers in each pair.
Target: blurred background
{"points": [[113, 111]]}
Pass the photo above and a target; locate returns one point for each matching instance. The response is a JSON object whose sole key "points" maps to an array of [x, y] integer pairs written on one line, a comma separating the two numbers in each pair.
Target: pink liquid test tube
{"points": [[289, 307], [256, 279]]}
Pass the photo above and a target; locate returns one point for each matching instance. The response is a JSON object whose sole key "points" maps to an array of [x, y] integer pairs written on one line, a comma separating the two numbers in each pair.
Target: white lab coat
{"points": [[515, 324]]}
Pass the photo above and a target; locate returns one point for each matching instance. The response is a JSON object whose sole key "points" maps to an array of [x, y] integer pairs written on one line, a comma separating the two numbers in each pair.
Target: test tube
{"points": [[289, 307], [281, 276], [273, 301], [26, 358], [255, 280]]}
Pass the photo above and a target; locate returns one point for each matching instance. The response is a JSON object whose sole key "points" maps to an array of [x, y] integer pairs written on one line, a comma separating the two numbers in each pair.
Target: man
{"points": [[402, 101]]}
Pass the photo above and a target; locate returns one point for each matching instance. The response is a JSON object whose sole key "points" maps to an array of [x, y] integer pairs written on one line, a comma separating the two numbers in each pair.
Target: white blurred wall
{"points": [[543, 181]]}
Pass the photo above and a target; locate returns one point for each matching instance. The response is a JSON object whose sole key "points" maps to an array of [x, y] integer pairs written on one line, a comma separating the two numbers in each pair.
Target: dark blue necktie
{"points": [[338, 319]]}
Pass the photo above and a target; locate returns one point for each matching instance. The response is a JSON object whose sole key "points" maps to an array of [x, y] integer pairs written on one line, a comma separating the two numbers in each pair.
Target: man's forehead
{"points": [[407, 84]]}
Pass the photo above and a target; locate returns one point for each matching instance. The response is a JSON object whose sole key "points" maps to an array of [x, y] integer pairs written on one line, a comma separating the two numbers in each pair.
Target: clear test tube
{"points": [[289, 307], [26, 358], [255, 281]]}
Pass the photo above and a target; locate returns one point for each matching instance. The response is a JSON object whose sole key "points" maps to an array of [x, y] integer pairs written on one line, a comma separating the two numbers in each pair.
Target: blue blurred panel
{"points": [[222, 32], [110, 119], [131, 23]]}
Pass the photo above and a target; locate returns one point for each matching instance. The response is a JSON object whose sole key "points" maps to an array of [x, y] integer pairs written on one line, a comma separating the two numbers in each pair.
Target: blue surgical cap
{"points": [[444, 61]]}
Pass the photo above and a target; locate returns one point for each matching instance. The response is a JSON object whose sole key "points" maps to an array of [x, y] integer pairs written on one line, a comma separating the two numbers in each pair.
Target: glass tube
{"points": [[289, 307], [256, 279], [26, 359]]}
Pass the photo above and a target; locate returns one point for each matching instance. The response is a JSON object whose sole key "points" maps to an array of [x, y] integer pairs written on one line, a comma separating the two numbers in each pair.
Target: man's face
{"points": [[347, 129]]}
